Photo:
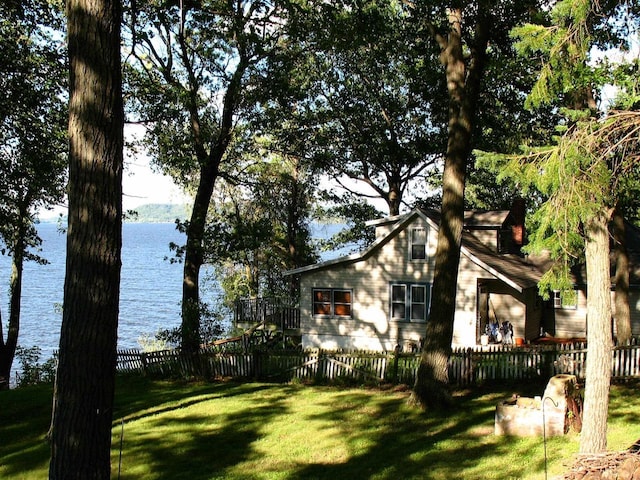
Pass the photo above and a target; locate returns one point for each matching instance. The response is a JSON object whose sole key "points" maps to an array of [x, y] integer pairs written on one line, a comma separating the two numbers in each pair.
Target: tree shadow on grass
{"points": [[164, 396], [178, 430], [620, 409], [418, 445], [25, 416], [183, 441]]}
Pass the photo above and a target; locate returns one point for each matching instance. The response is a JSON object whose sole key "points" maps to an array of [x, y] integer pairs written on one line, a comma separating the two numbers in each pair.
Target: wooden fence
{"points": [[467, 366]]}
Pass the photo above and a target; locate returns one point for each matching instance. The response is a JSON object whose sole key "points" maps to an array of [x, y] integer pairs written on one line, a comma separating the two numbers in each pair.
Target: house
{"points": [[379, 299]]}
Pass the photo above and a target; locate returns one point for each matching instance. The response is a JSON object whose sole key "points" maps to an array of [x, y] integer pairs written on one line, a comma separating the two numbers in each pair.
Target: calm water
{"points": [[150, 294]]}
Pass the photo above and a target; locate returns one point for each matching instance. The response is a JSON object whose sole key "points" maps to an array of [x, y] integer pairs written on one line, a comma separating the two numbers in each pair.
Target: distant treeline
{"points": [[157, 213], [149, 213]]}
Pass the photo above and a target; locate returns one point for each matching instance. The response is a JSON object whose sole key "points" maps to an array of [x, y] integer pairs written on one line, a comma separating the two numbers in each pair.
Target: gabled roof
{"points": [[511, 269], [401, 221]]}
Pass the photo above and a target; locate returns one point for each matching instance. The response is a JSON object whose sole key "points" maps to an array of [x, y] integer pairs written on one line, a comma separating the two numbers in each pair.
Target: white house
{"points": [[379, 298]]}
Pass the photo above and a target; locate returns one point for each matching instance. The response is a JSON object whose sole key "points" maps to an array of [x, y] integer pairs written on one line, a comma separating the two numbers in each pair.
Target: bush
{"points": [[211, 320], [33, 372]]}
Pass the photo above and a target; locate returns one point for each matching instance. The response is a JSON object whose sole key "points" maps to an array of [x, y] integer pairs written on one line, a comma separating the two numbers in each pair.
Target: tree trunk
{"points": [[432, 382], [622, 310], [394, 198], [83, 403], [8, 348], [209, 170], [593, 438], [194, 258]]}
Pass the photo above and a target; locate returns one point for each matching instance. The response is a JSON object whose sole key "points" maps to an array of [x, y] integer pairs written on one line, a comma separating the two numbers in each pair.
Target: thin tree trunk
{"points": [[209, 170], [622, 309], [593, 438], [83, 402], [194, 259], [8, 348], [394, 199]]}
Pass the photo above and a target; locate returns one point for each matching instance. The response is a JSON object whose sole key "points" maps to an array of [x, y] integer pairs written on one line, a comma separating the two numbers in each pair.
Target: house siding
{"points": [[465, 318], [521, 309], [634, 303], [370, 327], [572, 322], [490, 287]]}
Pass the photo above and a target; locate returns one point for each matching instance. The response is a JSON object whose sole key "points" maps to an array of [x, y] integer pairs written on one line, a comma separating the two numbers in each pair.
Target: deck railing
{"points": [[467, 366], [274, 311]]}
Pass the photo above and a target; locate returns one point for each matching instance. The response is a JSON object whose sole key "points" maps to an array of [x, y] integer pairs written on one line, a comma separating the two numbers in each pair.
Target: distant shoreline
{"points": [[148, 213]]}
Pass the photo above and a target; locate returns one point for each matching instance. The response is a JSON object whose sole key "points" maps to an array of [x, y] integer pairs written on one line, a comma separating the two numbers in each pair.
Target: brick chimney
{"points": [[518, 213]]}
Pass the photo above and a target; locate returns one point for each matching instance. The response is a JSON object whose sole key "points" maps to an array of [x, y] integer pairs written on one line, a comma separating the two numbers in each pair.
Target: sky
{"points": [[141, 185]]}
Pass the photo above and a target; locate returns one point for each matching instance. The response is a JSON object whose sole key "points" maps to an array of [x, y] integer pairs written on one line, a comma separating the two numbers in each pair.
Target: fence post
{"points": [[256, 364], [143, 361], [396, 355], [320, 365]]}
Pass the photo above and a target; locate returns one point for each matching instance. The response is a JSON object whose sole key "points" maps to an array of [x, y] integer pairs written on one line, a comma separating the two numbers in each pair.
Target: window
{"points": [[410, 302], [418, 243], [330, 301], [567, 301], [398, 301]]}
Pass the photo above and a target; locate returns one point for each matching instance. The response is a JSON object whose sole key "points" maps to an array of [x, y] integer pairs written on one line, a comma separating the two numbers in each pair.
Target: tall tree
{"points": [[368, 97], [192, 69], [463, 33], [580, 176], [85, 381], [259, 229], [32, 141]]}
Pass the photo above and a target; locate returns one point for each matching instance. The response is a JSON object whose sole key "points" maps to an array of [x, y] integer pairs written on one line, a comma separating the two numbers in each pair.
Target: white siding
{"points": [[571, 322], [634, 304], [369, 278]]}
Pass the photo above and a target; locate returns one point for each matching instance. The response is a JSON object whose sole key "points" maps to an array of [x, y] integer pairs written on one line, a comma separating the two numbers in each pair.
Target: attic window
{"points": [[418, 243], [332, 301]]}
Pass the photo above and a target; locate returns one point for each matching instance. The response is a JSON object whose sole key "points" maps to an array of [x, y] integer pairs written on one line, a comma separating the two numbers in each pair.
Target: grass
{"points": [[203, 431]]}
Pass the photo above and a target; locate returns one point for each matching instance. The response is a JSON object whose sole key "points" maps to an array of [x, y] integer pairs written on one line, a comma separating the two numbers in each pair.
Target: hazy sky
{"points": [[140, 185]]}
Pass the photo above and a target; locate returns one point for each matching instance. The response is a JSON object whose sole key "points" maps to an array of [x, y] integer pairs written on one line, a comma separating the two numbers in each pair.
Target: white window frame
{"points": [[409, 304], [413, 233], [559, 301]]}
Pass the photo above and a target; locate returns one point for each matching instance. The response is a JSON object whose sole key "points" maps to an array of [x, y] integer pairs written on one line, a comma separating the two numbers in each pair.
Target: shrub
{"points": [[34, 372]]}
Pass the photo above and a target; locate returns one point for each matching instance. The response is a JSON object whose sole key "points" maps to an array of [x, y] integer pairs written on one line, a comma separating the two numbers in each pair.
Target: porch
{"points": [[274, 315]]}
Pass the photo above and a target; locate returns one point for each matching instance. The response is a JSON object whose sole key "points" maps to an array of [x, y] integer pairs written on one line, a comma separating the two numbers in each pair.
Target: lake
{"points": [[150, 293]]}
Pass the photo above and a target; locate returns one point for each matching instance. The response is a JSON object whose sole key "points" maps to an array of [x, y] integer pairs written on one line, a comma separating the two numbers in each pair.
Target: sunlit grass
{"points": [[198, 431]]}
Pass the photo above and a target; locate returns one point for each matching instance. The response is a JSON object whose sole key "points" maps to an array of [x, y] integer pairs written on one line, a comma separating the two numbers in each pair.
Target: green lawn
{"points": [[198, 431]]}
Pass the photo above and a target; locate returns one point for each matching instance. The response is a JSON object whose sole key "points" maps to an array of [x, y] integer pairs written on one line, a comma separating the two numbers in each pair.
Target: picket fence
{"points": [[467, 366]]}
